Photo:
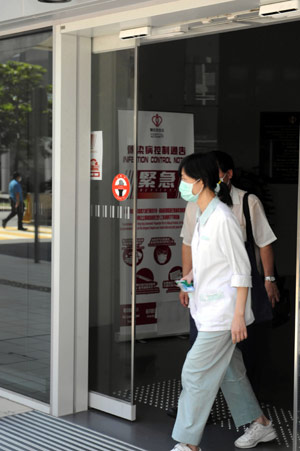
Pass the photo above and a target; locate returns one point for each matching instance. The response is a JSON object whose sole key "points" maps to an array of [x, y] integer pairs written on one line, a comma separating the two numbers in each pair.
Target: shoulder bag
{"points": [[261, 306]]}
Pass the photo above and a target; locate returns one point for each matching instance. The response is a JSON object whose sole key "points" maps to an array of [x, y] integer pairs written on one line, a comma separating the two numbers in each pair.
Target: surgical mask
{"points": [[186, 191]]}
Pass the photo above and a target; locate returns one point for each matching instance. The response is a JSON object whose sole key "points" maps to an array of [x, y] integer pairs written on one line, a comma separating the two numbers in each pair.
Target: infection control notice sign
{"points": [[121, 187], [96, 155], [164, 139]]}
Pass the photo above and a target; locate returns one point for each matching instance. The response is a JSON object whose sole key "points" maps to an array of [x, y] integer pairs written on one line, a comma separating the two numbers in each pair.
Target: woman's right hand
{"points": [[184, 299], [238, 329]]}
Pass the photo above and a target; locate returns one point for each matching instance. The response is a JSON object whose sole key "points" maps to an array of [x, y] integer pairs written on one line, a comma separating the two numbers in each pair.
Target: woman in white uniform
{"points": [[219, 305]]}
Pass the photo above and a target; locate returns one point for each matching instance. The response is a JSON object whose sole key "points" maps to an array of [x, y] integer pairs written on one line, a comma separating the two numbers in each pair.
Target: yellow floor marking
{"points": [[41, 229], [7, 236], [30, 228], [18, 235], [12, 233]]}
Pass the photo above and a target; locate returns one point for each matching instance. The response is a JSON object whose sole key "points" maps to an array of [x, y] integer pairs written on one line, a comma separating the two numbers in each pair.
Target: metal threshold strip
{"points": [[33, 430]]}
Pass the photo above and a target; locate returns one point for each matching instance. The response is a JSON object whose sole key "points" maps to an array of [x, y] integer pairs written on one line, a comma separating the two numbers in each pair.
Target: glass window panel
{"points": [[25, 213]]}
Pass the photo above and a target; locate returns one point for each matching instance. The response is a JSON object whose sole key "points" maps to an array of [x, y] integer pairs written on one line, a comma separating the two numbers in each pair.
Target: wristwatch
{"points": [[270, 278]]}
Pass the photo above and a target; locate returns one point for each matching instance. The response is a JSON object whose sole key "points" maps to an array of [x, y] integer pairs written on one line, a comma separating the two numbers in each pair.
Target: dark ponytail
{"points": [[224, 194]]}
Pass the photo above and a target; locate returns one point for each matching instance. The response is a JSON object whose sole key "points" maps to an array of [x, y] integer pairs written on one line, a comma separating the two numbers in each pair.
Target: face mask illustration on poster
{"points": [[164, 140]]}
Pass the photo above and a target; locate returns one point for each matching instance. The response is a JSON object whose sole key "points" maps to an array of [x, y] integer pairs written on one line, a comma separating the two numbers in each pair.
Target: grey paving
{"points": [[25, 311]]}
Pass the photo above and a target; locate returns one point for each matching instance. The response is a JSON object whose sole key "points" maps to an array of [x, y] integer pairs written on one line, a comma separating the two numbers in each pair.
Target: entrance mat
{"points": [[165, 393], [37, 431]]}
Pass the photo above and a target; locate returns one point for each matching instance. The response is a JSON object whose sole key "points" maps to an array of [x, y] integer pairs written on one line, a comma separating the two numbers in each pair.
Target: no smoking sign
{"points": [[121, 187]]}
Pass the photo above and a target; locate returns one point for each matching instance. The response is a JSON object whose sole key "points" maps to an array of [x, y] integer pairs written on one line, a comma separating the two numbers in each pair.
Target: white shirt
{"points": [[262, 232], [220, 265]]}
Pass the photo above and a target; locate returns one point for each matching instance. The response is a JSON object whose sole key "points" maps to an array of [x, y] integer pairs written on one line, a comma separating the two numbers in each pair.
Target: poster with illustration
{"points": [[96, 155], [164, 139]]}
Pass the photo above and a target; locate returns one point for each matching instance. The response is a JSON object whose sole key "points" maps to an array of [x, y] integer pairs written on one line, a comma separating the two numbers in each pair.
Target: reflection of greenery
{"points": [[17, 82]]}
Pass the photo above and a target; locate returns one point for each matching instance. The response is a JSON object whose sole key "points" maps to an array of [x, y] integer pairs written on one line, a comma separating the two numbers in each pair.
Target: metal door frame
{"points": [[105, 403]]}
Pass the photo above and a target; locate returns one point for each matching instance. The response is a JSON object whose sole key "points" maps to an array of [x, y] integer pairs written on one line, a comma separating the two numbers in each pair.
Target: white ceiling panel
{"points": [[33, 10], [10, 9]]}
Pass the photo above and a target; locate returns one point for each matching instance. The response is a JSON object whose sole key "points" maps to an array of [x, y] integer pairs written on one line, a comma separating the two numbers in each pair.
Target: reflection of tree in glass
{"points": [[17, 82]]}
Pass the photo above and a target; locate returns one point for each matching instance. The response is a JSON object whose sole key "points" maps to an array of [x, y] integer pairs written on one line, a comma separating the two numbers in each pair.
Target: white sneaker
{"points": [[182, 447], [255, 434]]}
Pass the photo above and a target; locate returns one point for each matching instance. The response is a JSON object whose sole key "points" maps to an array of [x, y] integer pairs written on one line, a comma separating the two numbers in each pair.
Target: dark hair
{"points": [[16, 175], [224, 160], [204, 167]]}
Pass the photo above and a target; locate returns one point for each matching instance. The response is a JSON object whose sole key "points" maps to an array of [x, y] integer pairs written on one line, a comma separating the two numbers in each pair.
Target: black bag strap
{"points": [[246, 211]]}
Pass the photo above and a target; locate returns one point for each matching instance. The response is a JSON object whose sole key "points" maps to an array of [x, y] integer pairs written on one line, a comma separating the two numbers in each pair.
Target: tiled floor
{"points": [[157, 381], [160, 395], [153, 428]]}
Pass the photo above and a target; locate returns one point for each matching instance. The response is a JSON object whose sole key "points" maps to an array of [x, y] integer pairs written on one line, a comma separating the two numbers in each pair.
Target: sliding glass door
{"points": [[112, 267]]}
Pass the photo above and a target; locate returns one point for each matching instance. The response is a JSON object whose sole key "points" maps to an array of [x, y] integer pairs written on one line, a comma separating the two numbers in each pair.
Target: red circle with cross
{"points": [[121, 187]]}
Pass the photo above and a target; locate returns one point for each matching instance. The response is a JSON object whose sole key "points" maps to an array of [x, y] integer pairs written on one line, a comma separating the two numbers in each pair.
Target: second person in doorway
{"points": [[253, 353]]}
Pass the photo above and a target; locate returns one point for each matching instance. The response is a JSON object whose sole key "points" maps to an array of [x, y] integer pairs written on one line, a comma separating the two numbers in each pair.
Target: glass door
{"points": [[112, 232]]}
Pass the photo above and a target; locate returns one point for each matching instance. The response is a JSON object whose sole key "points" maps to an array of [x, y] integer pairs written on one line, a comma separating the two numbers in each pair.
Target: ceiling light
{"points": [[276, 9], [133, 33]]}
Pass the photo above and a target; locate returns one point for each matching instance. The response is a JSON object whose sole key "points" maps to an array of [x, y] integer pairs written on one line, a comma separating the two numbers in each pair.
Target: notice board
{"points": [[279, 146]]}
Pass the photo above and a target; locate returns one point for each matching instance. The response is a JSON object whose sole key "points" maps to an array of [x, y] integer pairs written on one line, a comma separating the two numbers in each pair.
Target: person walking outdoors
{"points": [[220, 307], [16, 201]]}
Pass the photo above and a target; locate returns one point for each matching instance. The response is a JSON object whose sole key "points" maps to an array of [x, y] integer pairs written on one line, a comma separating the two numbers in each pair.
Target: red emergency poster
{"points": [[164, 139]]}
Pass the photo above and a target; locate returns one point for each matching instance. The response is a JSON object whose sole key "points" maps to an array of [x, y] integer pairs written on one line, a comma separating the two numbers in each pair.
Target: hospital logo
{"points": [[157, 120], [156, 131]]}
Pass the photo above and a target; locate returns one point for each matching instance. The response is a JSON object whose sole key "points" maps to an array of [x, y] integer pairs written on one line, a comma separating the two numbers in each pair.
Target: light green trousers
{"points": [[212, 363]]}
